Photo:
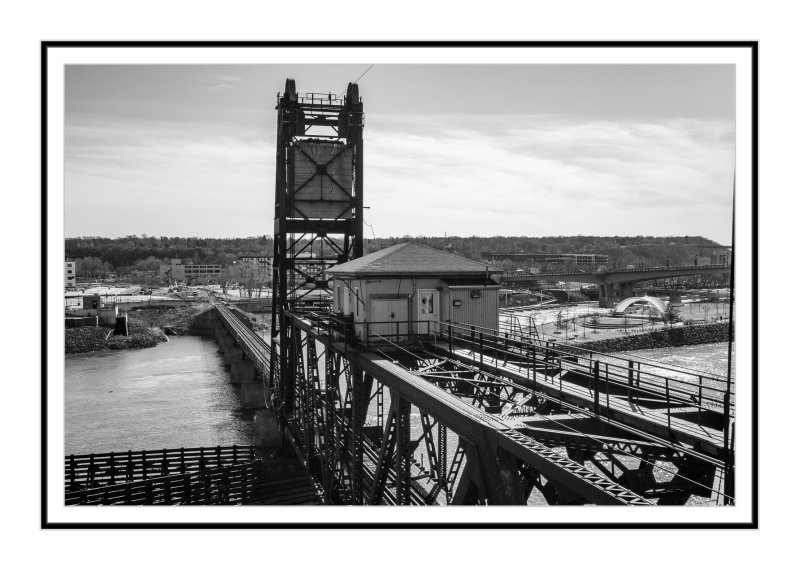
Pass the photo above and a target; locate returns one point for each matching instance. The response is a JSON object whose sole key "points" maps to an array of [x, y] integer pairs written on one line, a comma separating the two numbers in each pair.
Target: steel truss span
{"points": [[416, 427]]}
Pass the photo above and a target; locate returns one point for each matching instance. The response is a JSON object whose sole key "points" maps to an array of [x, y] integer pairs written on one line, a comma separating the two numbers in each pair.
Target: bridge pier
{"points": [[252, 395], [612, 293], [626, 290], [605, 295], [224, 339], [242, 371], [266, 430]]}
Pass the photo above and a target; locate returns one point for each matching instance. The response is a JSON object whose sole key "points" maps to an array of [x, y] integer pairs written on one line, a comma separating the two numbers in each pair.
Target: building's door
{"points": [[388, 319], [427, 310]]}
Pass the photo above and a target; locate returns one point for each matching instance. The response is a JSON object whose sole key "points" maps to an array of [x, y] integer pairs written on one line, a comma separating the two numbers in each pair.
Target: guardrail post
{"points": [[450, 336], [608, 397], [669, 419], [596, 383], [472, 339], [481, 347], [630, 378], [700, 399]]}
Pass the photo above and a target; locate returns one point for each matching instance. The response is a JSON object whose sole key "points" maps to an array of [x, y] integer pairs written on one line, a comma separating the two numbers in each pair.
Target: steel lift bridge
{"points": [[457, 414]]}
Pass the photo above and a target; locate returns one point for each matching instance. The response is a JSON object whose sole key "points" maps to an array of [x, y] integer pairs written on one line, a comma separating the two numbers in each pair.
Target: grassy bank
{"points": [[178, 319]]}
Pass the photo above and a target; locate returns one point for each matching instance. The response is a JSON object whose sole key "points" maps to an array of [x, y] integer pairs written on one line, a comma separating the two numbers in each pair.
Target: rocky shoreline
{"points": [[146, 328], [88, 339], [667, 337]]}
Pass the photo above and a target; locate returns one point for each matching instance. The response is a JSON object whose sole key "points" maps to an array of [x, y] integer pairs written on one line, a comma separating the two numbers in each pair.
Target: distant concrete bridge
{"points": [[617, 284]]}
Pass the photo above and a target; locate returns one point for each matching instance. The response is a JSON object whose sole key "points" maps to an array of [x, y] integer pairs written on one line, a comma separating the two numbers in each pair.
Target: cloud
{"points": [[167, 177], [460, 174], [223, 82], [543, 175]]}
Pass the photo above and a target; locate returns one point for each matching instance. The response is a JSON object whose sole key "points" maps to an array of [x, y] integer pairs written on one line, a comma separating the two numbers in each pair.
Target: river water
{"points": [[172, 395]]}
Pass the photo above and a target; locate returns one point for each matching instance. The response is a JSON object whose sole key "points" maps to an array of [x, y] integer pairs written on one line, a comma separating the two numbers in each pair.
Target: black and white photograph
{"points": [[441, 285]]}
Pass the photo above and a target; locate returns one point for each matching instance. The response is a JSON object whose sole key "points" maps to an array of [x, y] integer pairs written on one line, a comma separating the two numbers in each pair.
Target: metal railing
{"points": [[644, 383], [254, 346], [373, 331], [606, 375], [608, 270]]}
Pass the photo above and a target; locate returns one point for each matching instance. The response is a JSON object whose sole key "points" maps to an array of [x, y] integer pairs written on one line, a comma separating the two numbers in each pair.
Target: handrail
{"points": [[675, 392], [623, 270], [572, 349]]}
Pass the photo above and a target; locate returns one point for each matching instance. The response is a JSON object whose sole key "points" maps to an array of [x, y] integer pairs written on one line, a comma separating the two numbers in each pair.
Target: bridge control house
{"points": [[407, 290]]}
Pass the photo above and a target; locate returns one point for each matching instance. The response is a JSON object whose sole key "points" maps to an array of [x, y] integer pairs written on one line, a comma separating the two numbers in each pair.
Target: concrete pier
{"points": [[242, 371], [251, 395], [232, 354], [266, 433]]}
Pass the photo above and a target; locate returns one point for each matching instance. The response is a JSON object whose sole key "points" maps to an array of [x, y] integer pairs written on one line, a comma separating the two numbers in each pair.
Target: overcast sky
{"points": [[535, 150]]}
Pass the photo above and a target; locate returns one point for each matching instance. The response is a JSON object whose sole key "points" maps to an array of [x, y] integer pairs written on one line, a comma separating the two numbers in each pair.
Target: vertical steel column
{"points": [[442, 465], [403, 459], [355, 137], [356, 423]]}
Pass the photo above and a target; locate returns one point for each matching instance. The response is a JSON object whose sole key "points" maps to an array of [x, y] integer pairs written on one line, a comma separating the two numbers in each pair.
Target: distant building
{"points": [[262, 263], [715, 255], [70, 275], [191, 274], [409, 289]]}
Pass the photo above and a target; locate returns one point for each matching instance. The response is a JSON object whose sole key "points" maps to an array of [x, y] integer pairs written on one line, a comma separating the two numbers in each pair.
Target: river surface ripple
{"points": [[177, 394]]}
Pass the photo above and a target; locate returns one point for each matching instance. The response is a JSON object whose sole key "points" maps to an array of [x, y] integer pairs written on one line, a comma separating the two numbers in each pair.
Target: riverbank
{"points": [[90, 339], [666, 337], [146, 327], [177, 320]]}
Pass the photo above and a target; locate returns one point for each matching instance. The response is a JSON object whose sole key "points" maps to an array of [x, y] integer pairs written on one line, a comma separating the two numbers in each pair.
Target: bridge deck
{"points": [[621, 408]]}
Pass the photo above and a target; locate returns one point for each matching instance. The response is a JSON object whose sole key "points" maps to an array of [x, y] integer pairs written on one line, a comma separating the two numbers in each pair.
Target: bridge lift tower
{"points": [[319, 182]]}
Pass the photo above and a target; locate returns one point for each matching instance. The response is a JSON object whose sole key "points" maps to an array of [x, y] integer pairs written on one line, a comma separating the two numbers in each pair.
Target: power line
{"points": [[359, 77]]}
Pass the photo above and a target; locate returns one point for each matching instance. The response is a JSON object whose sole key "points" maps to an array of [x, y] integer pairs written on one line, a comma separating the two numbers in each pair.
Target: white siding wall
{"points": [[482, 311]]}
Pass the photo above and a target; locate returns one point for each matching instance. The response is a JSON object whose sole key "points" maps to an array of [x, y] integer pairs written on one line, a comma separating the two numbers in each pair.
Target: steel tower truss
{"points": [[318, 208]]}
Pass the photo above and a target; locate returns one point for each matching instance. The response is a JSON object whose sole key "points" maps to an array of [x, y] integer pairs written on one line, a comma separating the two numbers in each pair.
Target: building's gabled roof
{"points": [[411, 260]]}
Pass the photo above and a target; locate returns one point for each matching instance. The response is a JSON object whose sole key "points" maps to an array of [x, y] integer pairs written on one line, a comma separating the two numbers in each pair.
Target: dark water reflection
{"points": [[176, 394]]}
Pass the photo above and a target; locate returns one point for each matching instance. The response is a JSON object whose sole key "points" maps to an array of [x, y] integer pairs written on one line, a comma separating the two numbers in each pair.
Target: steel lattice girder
{"points": [[479, 427]]}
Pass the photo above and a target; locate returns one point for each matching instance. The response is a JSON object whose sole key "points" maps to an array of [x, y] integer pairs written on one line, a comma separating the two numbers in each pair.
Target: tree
{"points": [[90, 267], [148, 265], [671, 315]]}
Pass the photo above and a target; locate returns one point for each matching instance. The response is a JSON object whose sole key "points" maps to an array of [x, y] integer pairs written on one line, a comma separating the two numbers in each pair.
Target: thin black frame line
{"points": [[43, 296], [752, 45], [406, 44]]}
